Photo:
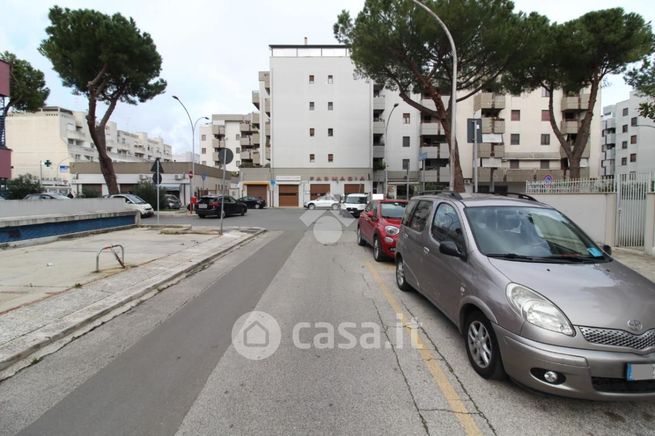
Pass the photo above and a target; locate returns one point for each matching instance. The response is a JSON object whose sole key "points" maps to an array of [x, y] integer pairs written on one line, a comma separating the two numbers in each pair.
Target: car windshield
{"points": [[356, 199], [393, 210], [529, 234], [134, 198]]}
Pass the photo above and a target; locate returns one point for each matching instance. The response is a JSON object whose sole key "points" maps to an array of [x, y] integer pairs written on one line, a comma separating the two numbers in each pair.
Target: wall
{"points": [[594, 213], [25, 208]]}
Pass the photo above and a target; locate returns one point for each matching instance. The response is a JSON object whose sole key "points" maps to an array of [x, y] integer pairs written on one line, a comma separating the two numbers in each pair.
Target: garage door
{"points": [[288, 196], [353, 188], [258, 191], [318, 189]]}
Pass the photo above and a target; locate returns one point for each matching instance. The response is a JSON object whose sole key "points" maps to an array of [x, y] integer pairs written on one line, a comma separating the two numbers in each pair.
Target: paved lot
{"points": [[168, 366]]}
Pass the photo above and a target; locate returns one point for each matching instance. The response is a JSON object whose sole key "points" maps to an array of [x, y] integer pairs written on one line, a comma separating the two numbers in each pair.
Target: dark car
{"points": [[253, 202], [210, 205], [172, 202], [379, 225]]}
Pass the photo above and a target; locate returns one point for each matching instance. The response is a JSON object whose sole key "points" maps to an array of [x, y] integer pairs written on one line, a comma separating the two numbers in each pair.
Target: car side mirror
{"points": [[371, 215], [607, 249], [449, 248]]}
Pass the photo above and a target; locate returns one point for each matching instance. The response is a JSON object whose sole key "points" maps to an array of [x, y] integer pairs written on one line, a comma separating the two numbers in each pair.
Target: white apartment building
{"points": [[628, 139], [333, 132], [61, 136]]}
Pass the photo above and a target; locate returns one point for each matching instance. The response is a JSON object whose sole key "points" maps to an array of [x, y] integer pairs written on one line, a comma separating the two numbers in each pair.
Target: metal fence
{"points": [[566, 186]]}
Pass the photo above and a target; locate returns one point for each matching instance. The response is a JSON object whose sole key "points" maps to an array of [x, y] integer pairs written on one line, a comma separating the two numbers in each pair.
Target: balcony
{"points": [[518, 175], [255, 98], [609, 123], [267, 126], [609, 154], [245, 127], [246, 141], [488, 100], [254, 139], [431, 129], [609, 138], [378, 126], [575, 103], [265, 76], [493, 125], [267, 155], [484, 174], [431, 152], [216, 143], [218, 130], [485, 151], [246, 154], [440, 175], [569, 127], [585, 153], [378, 102], [267, 106], [378, 151]]}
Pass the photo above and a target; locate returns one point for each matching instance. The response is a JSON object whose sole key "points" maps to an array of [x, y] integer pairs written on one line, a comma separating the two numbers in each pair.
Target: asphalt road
{"points": [[168, 367]]}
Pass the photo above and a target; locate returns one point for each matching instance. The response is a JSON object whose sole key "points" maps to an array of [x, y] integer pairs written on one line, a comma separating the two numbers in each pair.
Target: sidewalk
{"points": [[50, 294], [637, 260]]}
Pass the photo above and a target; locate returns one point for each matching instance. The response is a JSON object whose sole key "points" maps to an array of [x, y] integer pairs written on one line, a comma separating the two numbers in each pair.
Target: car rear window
{"points": [[393, 210]]}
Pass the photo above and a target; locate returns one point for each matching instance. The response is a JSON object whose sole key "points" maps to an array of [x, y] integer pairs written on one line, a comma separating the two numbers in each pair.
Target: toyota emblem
{"points": [[635, 325]]}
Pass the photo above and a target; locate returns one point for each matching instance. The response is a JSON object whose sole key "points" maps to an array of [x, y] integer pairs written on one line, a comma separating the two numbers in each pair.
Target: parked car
{"points": [[354, 204], [209, 205], [379, 225], [172, 202], [135, 202], [253, 202], [46, 196], [532, 294], [327, 201]]}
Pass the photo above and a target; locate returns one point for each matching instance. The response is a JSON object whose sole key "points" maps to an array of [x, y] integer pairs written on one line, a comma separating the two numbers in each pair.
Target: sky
{"points": [[212, 50]]}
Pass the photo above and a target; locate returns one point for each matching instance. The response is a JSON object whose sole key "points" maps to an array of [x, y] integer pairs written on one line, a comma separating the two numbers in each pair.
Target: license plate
{"points": [[641, 371], [202, 206]]}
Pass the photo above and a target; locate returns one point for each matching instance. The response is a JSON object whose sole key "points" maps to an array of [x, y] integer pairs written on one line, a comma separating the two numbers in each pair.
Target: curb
{"points": [[50, 338]]}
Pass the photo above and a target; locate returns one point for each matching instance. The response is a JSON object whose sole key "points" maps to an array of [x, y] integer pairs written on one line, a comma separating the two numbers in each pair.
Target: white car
{"points": [[135, 202], [327, 201], [354, 204]]}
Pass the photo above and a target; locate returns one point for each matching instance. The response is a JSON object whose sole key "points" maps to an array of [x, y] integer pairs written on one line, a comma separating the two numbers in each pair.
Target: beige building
{"points": [[61, 137]]}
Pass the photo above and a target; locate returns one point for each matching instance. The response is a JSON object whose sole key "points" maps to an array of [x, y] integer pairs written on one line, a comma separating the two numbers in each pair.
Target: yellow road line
{"points": [[429, 359]]}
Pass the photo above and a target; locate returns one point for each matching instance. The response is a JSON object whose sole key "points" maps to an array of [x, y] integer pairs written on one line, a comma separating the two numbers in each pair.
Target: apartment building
{"points": [[336, 132], [61, 137], [628, 139], [239, 133]]}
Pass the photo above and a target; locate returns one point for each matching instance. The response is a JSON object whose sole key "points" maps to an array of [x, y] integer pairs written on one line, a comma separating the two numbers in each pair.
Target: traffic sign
{"points": [[155, 164], [548, 179], [272, 182], [156, 178], [204, 177], [225, 155]]}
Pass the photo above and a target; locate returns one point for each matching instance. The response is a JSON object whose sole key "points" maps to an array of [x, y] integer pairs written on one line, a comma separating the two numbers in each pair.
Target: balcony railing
{"points": [[569, 127], [488, 100], [493, 125], [575, 103], [255, 98]]}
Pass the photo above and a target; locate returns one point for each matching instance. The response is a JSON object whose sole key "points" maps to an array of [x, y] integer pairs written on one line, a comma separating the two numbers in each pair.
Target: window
{"points": [[311, 105], [311, 131], [330, 105], [204, 137], [624, 161], [633, 157], [446, 226], [545, 115], [237, 136], [624, 129], [633, 121], [420, 216], [330, 131], [545, 139], [204, 162], [544, 164], [625, 111], [633, 139], [330, 157], [514, 164], [515, 139], [311, 158], [405, 141], [516, 115], [405, 164], [330, 79], [624, 144], [238, 149], [311, 79], [203, 150], [406, 118], [545, 92]]}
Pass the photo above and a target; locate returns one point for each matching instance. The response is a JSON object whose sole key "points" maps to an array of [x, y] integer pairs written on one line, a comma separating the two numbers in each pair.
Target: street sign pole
{"points": [[475, 156], [223, 191], [157, 187]]}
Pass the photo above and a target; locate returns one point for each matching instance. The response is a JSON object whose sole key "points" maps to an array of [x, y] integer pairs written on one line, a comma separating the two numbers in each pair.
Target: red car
{"points": [[379, 225]]}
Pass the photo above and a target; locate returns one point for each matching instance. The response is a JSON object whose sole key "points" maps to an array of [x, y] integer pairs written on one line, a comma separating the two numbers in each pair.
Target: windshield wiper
{"points": [[511, 256], [572, 259]]}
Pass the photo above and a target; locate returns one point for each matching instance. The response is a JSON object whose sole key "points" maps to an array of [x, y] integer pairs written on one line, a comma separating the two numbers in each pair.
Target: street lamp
{"points": [[453, 93], [193, 142], [386, 128]]}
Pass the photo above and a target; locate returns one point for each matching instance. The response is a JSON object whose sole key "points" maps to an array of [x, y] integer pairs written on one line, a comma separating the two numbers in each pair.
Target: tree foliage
{"points": [[22, 185], [399, 45], [27, 84], [108, 60], [576, 56], [148, 191], [642, 79]]}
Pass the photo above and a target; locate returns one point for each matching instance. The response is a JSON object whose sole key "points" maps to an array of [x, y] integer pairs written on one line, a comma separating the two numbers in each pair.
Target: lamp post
{"points": [[386, 143], [193, 141], [453, 93]]}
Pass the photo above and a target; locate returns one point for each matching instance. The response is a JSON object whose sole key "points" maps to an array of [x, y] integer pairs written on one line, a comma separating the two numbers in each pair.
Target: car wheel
{"points": [[360, 240], [311, 206], [244, 211], [378, 254], [482, 347], [257, 206], [200, 216], [401, 281], [335, 207]]}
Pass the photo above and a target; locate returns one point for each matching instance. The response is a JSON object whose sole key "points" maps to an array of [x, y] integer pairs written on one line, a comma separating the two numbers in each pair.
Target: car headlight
{"points": [[537, 310], [391, 230]]}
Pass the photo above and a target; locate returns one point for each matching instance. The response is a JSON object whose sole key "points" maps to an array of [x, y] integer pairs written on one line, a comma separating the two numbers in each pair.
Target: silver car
{"points": [[534, 297]]}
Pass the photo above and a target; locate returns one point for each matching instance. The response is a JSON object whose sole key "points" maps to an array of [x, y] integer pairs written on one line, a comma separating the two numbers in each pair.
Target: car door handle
{"points": [[426, 250]]}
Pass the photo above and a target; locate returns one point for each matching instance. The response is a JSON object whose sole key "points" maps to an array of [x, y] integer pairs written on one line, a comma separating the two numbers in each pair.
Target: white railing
{"points": [[566, 186]]}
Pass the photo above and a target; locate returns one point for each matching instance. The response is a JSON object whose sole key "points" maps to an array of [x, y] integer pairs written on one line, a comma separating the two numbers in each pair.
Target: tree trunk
{"points": [[574, 167], [106, 164], [458, 185], [584, 130]]}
